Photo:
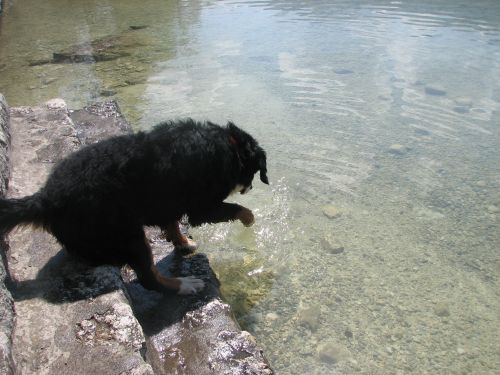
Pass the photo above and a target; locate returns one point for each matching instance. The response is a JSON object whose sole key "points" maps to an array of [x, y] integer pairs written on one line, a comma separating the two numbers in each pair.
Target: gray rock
{"points": [[102, 49], [434, 91], [461, 110], [331, 212], [330, 245], [463, 102], [107, 48], [137, 27], [41, 61], [135, 81], [332, 352], [348, 333], [6, 302], [398, 149], [108, 92], [224, 349], [442, 309], [271, 317], [308, 316], [343, 71], [492, 209], [99, 121], [422, 132]]}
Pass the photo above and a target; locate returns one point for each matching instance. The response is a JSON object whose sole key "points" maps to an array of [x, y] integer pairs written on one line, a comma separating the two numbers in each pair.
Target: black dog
{"points": [[97, 200]]}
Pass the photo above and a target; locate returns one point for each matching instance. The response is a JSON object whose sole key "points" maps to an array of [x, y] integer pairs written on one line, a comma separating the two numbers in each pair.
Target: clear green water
{"points": [[388, 111]]}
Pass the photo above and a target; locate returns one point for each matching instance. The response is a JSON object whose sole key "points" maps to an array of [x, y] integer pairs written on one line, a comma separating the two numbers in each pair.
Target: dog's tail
{"points": [[20, 211]]}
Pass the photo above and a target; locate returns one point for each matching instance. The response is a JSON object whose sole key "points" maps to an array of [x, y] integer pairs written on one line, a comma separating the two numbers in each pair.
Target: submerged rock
{"points": [[434, 91], [308, 316], [464, 102], [37, 62], [330, 245], [442, 309], [103, 49], [137, 27], [108, 92], [331, 212], [398, 149], [492, 209], [332, 352], [348, 333], [422, 132], [107, 48], [461, 110], [271, 317], [343, 71]]}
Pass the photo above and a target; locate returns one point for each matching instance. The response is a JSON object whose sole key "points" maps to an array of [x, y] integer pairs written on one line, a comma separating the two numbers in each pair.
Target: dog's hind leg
{"points": [[140, 258], [182, 244]]}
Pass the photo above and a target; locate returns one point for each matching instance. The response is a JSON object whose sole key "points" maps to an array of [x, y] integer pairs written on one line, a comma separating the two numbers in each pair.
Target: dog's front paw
{"points": [[190, 285], [246, 217]]}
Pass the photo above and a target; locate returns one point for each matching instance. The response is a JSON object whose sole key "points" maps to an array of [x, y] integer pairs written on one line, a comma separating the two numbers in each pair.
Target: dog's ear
{"points": [[262, 166], [235, 133]]}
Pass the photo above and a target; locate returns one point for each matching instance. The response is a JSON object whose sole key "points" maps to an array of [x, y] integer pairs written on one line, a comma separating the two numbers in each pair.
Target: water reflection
{"points": [[384, 112]]}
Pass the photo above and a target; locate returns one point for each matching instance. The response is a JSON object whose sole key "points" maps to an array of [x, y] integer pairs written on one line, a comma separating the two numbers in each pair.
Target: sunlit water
{"points": [[385, 113]]}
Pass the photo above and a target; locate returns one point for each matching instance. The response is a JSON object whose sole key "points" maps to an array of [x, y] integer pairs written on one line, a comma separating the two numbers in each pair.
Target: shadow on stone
{"points": [[156, 311], [67, 279]]}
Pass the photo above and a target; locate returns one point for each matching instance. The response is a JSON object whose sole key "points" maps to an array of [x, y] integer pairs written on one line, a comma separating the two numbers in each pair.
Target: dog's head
{"points": [[252, 158]]}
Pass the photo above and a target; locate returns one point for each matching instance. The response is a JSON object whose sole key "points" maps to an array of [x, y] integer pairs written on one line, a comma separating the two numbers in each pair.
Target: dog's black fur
{"points": [[98, 199]]}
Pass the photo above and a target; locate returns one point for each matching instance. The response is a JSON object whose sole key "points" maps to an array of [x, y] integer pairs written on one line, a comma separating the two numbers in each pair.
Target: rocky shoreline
{"points": [[6, 302], [59, 316]]}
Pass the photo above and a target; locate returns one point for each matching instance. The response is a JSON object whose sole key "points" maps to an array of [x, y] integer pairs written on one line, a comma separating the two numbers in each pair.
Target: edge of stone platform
{"points": [[7, 316]]}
